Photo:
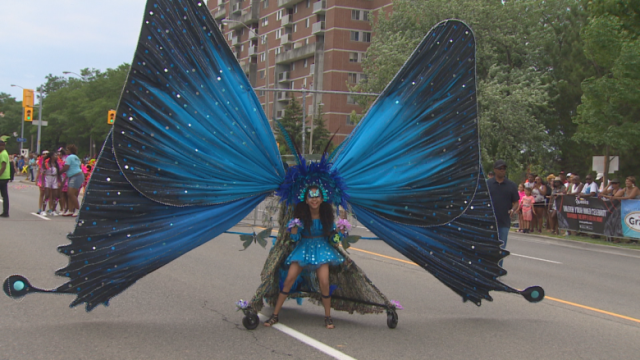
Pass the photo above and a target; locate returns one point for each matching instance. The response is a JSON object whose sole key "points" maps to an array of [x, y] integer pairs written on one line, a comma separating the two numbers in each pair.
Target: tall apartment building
{"points": [[295, 44]]}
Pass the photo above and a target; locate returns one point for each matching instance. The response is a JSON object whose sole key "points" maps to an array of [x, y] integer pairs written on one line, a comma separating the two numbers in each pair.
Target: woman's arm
{"points": [[620, 195]]}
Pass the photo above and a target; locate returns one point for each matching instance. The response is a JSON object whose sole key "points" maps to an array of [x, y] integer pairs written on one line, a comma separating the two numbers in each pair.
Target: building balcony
{"points": [[235, 25], [288, 3], [253, 35], [283, 96], [285, 39], [236, 9], [318, 28], [251, 16], [287, 20], [320, 7], [283, 77], [235, 40], [248, 67], [279, 114], [253, 51], [292, 55], [220, 14]]}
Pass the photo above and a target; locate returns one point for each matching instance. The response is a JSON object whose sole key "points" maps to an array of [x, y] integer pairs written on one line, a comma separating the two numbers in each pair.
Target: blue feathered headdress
{"points": [[300, 177]]}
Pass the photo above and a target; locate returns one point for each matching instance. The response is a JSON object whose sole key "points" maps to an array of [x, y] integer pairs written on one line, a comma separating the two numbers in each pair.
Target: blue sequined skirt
{"points": [[310, 253]]}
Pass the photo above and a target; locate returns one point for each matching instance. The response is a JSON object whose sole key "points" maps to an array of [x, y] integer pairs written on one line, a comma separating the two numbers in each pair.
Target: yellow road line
{"points": [[546, 297], [593, 309], [384, 256]]}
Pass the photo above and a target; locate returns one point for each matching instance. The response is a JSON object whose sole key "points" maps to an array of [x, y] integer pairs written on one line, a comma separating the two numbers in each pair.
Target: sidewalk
{"points": [[25, 181]]}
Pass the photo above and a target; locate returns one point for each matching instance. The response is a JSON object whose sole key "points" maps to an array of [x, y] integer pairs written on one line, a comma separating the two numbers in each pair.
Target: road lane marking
{"points": [[593, 309], [535, 258], [546, 297], [40, 216], [308, 340], [384, 256]]}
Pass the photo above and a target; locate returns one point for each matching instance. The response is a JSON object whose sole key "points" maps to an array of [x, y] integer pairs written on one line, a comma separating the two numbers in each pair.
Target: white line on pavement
{"points": [[535, 258], [40, 216], [308, 340]]}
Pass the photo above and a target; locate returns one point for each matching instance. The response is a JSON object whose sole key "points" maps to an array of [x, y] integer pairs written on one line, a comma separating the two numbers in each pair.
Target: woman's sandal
{"points": [[328, 322], [272, 320]]}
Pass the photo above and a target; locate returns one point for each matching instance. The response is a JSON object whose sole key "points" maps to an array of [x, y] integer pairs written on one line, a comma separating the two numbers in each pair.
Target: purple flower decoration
{"points": [[294, 223], [242, 305], [396, 304], [343, 225]]}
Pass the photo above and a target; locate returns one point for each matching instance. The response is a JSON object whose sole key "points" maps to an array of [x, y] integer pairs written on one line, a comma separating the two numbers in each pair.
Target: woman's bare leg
{"points": [[48, 194], [72, 199], [292, 275], [323, 281], [41, 204], [63, 201]]}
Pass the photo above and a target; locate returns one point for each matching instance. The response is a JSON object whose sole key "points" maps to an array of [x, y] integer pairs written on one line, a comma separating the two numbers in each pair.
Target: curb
{"points": [[579, 244], [25, 181]]}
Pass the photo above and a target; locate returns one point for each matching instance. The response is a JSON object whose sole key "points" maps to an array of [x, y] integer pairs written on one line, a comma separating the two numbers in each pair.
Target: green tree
{"points": [[76, 109], [10, 121], [512, 80], [566, 67], [292, 122], [609, 116], [320, 133]]}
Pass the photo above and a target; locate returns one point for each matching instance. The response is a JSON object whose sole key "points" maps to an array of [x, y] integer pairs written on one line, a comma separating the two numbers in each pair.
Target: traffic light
{"points": [[27, 98], [111, 118], [28, 113]]}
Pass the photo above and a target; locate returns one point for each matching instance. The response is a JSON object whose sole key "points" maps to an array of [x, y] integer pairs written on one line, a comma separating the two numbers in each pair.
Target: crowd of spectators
{"points": [[60, 176], [537, 211]]}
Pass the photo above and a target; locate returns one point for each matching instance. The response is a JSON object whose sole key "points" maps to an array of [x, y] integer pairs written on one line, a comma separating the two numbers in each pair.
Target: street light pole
{"points": [[83, 77], [39, 121]]}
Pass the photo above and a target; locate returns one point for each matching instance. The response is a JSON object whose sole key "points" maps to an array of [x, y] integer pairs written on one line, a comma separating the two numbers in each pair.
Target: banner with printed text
{"points": [[631, 218], [590, 215]]}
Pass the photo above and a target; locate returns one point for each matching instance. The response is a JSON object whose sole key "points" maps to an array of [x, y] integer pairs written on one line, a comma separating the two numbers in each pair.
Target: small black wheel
{"points": [[250, 321], [392, 319], [533, 294]]}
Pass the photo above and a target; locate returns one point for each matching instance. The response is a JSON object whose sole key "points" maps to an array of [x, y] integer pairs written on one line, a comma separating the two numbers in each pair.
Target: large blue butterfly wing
{"points": [[190, 155], [463, 254], [412, 167], [414, 158], [121, 235], [189, 128]]}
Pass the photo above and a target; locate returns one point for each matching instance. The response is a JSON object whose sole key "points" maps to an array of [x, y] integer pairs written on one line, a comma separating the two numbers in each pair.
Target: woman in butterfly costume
{"points": [[410, 171]]}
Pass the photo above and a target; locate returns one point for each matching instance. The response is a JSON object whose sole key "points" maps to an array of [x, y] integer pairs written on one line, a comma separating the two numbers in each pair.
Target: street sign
{"points": [[36, 122], [21, 140], [598, 164]]}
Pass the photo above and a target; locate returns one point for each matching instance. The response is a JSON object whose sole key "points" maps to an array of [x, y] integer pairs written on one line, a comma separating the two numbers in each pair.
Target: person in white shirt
{"points": [[576, 186], [590, 188]]}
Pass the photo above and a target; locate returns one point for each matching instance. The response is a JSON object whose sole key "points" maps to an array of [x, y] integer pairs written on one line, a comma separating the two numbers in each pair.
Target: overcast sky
{"points": [[41, 37]]}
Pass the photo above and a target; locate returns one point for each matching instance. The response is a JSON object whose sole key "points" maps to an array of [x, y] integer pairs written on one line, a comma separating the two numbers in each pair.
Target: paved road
{"points": [[186, 310]]}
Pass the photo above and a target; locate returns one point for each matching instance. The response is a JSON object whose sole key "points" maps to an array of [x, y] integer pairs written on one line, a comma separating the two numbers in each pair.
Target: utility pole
{"points": [[304, 117], [39, 120]]}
